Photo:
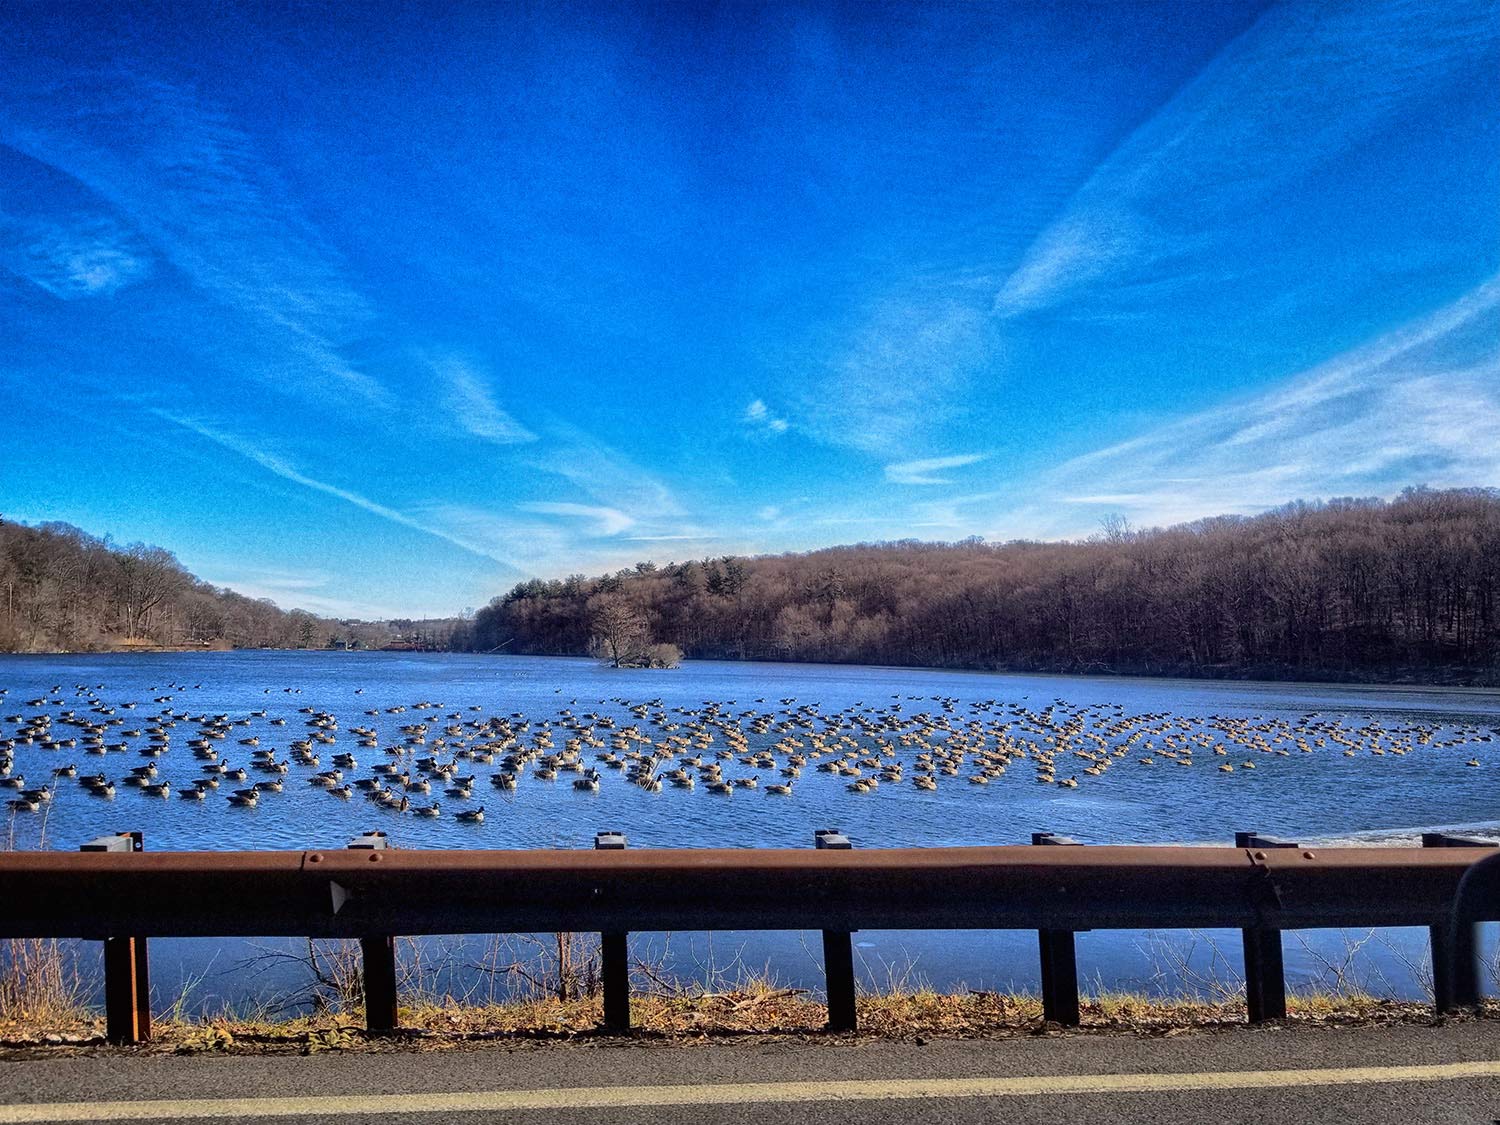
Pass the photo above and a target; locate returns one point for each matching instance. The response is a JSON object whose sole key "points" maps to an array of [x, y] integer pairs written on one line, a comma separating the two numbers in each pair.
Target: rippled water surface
{"points": [[1318, 794], [1303, 783]]}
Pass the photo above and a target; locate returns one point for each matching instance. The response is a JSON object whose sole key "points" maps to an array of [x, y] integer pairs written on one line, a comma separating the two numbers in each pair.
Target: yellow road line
{"points": [[736, 1093]]}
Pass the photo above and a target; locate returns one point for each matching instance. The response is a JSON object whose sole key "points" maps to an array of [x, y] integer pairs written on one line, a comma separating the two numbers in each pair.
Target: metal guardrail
{"points": [[114, 893]]}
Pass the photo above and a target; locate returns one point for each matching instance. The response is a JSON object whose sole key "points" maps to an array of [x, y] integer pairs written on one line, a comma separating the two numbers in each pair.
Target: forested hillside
{"points": [[62, 589], [1404, 589]]}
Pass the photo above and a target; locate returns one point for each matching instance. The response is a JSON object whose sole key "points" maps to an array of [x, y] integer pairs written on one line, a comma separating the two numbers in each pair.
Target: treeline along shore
{"points": [[64, 590], [1401, 591]]}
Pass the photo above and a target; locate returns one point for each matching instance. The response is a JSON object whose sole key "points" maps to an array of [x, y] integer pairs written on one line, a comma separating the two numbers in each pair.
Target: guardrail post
{"points": [[1475, 898], [127, 966], [838, 951], [378, 954], [1265, 973], [1059, 957], [1455, 983], [614, 954]]}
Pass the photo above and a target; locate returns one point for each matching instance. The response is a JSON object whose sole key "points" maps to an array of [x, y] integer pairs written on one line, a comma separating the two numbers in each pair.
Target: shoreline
{"points": [[1480, 685]]}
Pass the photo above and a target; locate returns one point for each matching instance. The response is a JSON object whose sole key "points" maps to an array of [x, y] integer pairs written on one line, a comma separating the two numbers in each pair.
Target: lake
{"points": [[1318, 763]]}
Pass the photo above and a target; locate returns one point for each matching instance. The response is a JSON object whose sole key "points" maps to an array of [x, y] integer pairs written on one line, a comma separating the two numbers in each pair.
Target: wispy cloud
{"points": [[529, 543], [207, 201], [759, 418], [950, 516], [1304, 83], [898, 375], [282, 468], [606, 521], [543, 547], [609, 477], [314, 592], [925, 471], [73, 255], [1419, 405], [472, 404]]}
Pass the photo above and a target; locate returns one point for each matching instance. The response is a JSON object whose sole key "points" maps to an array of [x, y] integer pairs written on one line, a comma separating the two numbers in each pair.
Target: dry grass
{"points": [[759, 1009], [545, 989], [40, 984], [40, 981]]}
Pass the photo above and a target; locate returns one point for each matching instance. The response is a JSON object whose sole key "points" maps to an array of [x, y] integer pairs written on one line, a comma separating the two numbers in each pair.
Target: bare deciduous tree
{"points": [[619, 631]]}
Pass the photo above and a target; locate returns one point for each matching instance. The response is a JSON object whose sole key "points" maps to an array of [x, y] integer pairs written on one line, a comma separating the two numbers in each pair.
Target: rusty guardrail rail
{"points": [[370, 892]]}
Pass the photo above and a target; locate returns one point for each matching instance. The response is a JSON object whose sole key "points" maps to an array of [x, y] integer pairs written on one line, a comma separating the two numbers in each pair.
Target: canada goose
{"points": [[425, 810], [471, 816], [779, 790], [245, 798]]}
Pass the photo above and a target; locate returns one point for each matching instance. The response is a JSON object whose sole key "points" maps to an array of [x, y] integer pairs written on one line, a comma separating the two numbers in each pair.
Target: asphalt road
{"points": [[1267, 1076]]}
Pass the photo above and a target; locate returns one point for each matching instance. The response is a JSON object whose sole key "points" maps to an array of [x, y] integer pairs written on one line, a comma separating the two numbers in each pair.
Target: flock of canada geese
{"points": [[431, 763]]}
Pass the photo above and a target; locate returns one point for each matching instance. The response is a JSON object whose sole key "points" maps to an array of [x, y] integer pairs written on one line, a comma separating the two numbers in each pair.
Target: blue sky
{"points": [[378, 308]]}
